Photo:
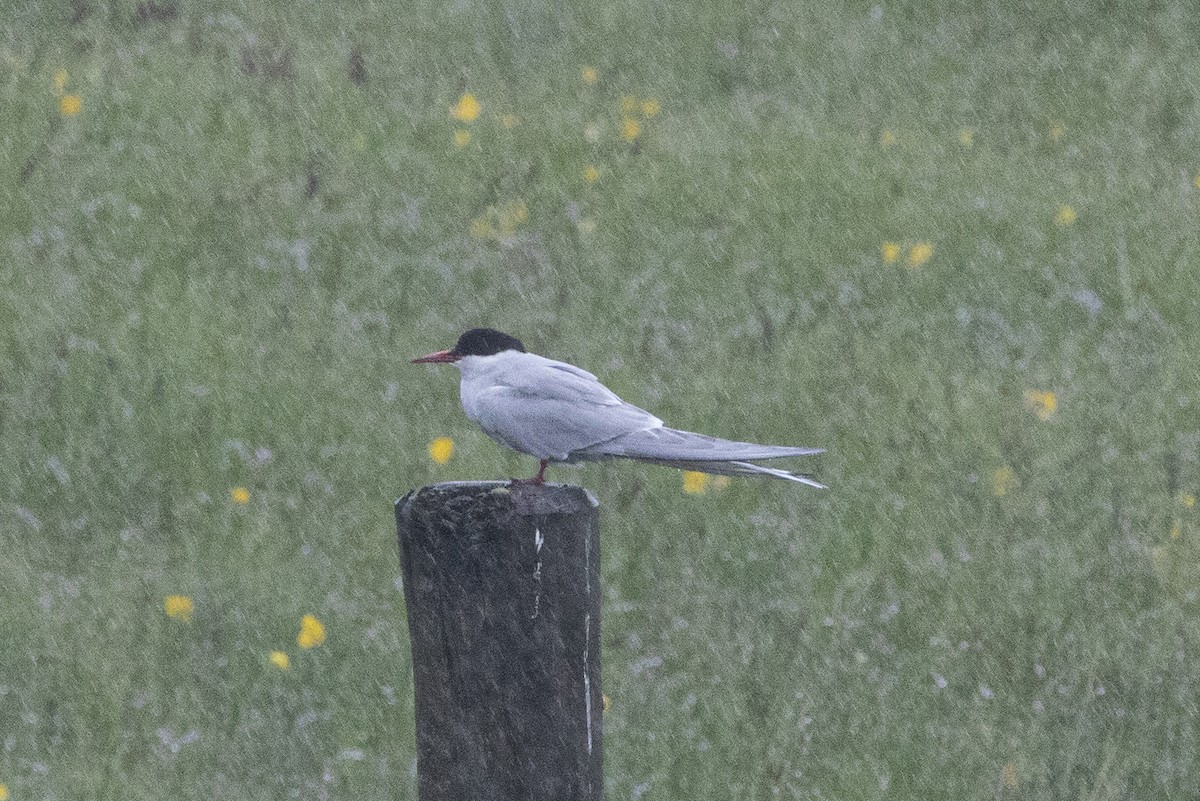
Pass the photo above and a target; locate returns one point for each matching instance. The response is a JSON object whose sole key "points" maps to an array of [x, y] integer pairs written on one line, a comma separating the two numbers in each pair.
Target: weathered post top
{"points": [[502, 589]]}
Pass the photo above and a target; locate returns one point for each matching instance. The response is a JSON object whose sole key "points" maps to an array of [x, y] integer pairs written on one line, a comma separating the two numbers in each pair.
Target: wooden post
{"points": [[502, 585]]}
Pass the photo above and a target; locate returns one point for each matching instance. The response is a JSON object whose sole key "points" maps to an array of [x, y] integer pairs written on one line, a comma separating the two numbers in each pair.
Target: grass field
{"points": [[955, 243]]}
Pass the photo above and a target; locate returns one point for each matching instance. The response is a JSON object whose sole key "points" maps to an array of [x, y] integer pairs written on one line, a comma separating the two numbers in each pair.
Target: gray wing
{"points": [[688, 451], [550, 409], [669, 443]]}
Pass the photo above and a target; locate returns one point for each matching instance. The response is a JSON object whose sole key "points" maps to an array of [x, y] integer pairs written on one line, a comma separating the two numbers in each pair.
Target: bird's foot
{"points": [[526, 482], [536, 481]]}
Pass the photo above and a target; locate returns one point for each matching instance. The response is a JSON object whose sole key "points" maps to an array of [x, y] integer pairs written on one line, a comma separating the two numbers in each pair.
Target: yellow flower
{"points": [[441, 449], [1004, 481], [280, 660], [462, 137], [589, 75], [650, 108], [70, 105], [3, 792], [1008, 775], [518, 211], [510, 120], [1176, 529], [60, 84], [499, 221], [1042, 403], [178, 607], [604, 700], [1056, 131], [591, 173], [695, 483], [918, 254], [240, 495], [631, 129], [1065, 216], [481, 228], [887, 138], [466, 109], [891, 252], [1187, 500], [1197, 181], [312, 632], [966, 137], [629, 105]]}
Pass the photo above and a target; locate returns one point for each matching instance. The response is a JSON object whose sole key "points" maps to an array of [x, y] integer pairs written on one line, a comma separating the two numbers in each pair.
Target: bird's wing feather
{"points": [[537, 376], [688, 451], [549, 409], [736, 469], [669, 443]]}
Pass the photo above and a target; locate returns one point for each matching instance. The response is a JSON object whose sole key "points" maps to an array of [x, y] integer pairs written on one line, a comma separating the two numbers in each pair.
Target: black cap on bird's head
{"points": [[476, 342], [486, 342]]}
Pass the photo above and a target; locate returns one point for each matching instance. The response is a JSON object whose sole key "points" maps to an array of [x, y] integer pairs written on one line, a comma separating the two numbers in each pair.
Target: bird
{"points": [[557, 412]]}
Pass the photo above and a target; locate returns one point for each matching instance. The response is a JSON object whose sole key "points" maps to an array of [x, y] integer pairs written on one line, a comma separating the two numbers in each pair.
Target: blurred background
{"points": [[955, 243]]}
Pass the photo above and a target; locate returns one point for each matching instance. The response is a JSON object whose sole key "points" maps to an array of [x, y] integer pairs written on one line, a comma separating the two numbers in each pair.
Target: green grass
{"points": [[213, 277]]}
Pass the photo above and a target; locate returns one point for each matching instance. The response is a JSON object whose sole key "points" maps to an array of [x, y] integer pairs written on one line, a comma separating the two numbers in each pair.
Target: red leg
{"points": [[537, 480]]}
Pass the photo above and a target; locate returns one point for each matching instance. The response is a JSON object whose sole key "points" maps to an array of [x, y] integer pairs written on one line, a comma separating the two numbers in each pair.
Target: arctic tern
{"points": [[557, 412]]}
